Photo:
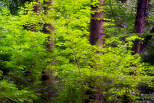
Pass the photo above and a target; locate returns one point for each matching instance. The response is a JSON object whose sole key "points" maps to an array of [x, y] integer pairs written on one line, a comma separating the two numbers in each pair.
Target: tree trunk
{"points": [[48, 28], [141, 16], [48, 78], [123, 1], [139, 23], [96, 25], [97, 38], [36, 8]]}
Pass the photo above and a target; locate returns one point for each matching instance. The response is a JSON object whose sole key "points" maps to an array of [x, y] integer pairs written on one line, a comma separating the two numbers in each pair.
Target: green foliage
{"points": [[22, 58], [79, 67], [77, 60], [10, 93]]}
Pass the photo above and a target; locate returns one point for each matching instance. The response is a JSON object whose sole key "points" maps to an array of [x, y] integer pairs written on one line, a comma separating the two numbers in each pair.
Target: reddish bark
{"points": [[140, 22], [123, 1], [48, 78], [138, 46], [97, 38], [48, 28], [98, 94], [96, 25], [141, 16], [48, 81], [36, 8]]}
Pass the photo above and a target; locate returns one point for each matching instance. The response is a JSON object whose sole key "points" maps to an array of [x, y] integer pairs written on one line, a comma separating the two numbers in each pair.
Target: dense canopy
{"points": [[76, 51]]}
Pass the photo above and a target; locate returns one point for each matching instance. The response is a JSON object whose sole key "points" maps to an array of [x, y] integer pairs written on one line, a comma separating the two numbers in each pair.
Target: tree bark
{"points": [[48, 78], [36, 8], [96, 24], [139, 23], [123, 1], [97, 36], [48, 28], [141, 16]]}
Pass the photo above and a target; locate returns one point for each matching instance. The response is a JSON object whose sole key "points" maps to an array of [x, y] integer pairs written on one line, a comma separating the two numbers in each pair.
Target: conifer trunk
{"points": [[48, 78], [48, 28], [140, 22], [123, 1], [140, 16], [97, 36], [96, 25]]}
